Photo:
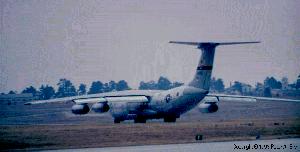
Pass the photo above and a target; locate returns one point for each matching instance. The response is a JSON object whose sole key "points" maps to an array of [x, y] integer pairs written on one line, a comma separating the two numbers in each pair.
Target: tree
{"points": [[212, 83], [65, 88], [96, 87], [151, 85], [237, 86], [285, 83], [122, 85], [106, 87], [31, 90], [81, 89], [47, 92], [112, 85], [163, 83], [176, 84], [267, 92], [220, 85], [12, 92], [217, 85], [297, 86], [272, 83], [143, 85], [259, 89]]}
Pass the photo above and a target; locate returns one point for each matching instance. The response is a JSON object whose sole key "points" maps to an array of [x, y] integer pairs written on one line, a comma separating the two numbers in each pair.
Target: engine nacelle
{"points": [[100, 107], [208, 107], [80, 109]]}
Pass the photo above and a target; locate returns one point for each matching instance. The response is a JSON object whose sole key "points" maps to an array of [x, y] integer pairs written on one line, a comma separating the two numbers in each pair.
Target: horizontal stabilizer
{"points": [[211, 43]]}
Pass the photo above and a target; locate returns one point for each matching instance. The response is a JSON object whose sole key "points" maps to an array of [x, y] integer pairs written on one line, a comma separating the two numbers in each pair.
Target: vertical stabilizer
{"points": [[205, 65]]}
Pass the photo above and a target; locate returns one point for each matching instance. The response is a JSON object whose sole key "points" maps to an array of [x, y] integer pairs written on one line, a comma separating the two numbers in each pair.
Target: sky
{"points": [[85, 41]]}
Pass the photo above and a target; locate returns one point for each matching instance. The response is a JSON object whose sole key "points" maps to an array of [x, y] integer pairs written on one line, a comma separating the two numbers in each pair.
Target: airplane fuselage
{"points": [[169, 104]]}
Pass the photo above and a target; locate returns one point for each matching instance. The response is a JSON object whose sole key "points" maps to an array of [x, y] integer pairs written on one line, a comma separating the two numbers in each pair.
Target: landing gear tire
{"points": [[117, 121], [140, 120], [169, 119]]}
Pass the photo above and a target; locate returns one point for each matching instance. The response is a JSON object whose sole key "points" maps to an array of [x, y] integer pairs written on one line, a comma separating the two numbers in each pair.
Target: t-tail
{"points": [[205, 65]]}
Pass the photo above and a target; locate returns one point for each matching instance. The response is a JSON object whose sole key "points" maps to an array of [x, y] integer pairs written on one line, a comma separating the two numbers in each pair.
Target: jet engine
{"points": [[80, 109], [100, 107], [208, 107]]}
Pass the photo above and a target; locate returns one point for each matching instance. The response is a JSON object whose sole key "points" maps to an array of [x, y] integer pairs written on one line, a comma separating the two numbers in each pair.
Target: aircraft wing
{"points": [[118, 96], [225, 97]]}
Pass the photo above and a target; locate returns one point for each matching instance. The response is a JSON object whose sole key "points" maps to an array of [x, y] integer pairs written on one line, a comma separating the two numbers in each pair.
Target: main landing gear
{"points": [[139, 120], [117, 120], [170, 119]]}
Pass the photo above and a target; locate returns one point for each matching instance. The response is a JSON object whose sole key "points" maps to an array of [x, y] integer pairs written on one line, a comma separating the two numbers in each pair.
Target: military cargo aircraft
{"points": [[141, 105]]}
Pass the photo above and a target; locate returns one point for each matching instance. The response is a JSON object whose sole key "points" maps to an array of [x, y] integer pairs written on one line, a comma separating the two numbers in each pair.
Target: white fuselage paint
{"points": [[180, 101], [173, 102]]}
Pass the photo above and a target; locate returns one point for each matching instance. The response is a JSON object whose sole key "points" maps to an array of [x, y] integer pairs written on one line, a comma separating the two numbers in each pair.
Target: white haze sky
{"points": [[42, 41]]}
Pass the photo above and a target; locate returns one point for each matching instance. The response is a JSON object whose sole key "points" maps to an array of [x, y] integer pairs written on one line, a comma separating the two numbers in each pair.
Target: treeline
{"points": [[162, 83], [66, 87], [268, 88]]}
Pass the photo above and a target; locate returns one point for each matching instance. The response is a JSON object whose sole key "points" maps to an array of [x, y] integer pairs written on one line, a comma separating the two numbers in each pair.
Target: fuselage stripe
{"points": [[204, 67]]}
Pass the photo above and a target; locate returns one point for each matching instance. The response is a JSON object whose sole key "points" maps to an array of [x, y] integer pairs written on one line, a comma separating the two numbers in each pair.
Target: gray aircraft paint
{"points": [[204, 69]]}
